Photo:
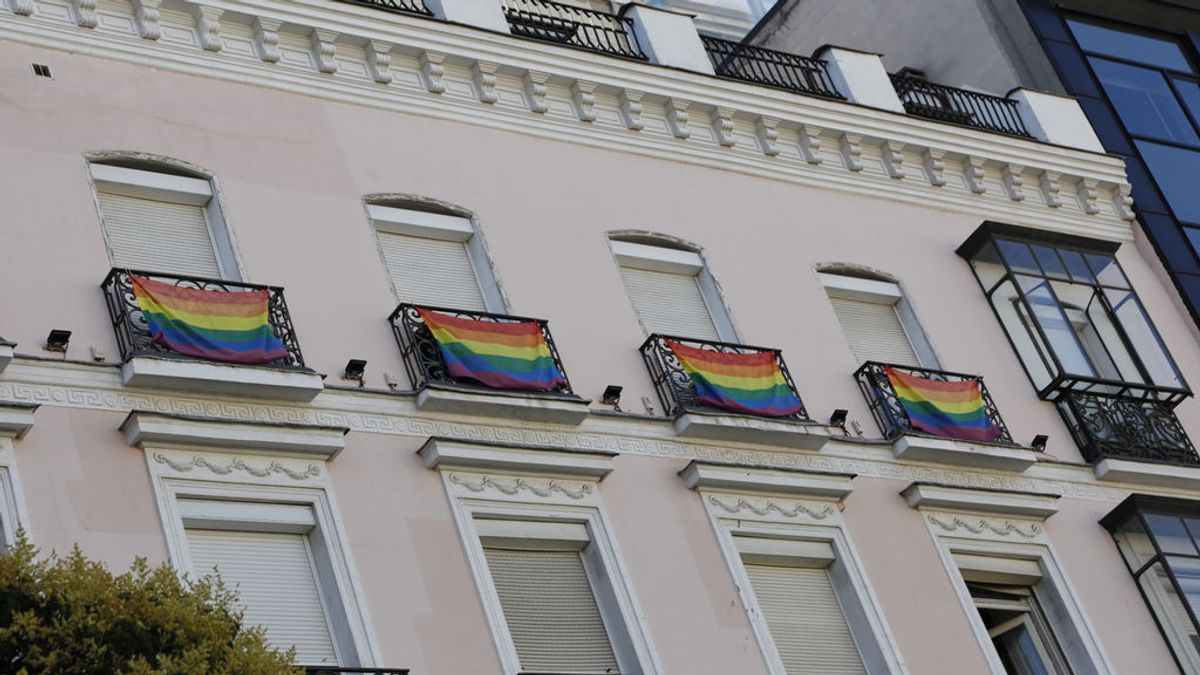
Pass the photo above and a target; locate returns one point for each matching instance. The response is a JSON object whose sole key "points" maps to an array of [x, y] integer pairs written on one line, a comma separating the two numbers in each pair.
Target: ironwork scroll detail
{"points": [[1126, 428]]}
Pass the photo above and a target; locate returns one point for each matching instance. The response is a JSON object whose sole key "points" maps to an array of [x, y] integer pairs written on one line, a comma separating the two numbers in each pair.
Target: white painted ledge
{"points": [[217, 378], [6, 353], [444, 453], [750, 479], [745, 429], [1148, 473], [509, 405], [669, 38], [963, 453], [1005, 502], [16, 419], [861, 77], [155, 429], [1056, 119]]}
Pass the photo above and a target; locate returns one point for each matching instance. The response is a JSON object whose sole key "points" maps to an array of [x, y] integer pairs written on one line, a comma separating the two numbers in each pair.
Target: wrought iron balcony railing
{"points": [[401, 6], [890, 414], [574, 26], [1126, 427], [423, 357], [133, 333], [749, 63], [673, 384], [959, 106], [326, 670]]}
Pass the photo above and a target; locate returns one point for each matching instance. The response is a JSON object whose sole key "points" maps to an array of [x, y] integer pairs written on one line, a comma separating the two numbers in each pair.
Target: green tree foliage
{"points": [[70, 615]]}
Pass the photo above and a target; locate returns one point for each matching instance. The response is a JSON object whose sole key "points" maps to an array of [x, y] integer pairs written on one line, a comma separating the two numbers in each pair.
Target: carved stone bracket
{"points": [[433, 71], [767, 135], [810, 143], [324, 50], [1048, 183], [974, 174], [266, 38], [23, 7], [1123, 201], [631, 109], [677, 118], [933, 161], [893, 159], [535, 92], [1088, 196], [483, 79], [85, 13], [208, 27], [721, 119], [1014, 181], [146, 17], [851, 147], [583, 100], [379, 61]]}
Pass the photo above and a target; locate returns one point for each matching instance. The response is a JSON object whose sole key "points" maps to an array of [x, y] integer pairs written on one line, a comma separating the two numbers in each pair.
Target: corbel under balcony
{"points": [[16, 419], [143, 429], [218, 378]]}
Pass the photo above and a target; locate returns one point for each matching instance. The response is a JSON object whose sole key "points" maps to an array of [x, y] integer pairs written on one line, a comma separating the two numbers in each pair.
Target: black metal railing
{"points": [[576, 26], [423, 357], [959, 106], [133, 334], [1126, 427], [401, 6], [749, 63], [674, 385], [889, 413], [339, 670]]}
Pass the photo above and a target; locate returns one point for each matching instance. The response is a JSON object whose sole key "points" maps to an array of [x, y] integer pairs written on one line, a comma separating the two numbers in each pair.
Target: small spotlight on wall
{"points": [[1039, 442], [355, 370], [612, 396], [838, 418], [58, 340]]}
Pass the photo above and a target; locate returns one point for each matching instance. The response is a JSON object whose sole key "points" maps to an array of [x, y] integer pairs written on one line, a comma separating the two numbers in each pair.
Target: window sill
{"points": [[16, 419], [963, 453], [219, 378], [526, 406], [1148, 473], [746, 429]]}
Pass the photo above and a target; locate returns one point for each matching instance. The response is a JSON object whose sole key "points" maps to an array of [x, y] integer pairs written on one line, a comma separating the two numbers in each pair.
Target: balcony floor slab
{"points": [[219, 378], [509, 405], [963, 453], [744, 429], [1148, 473]]}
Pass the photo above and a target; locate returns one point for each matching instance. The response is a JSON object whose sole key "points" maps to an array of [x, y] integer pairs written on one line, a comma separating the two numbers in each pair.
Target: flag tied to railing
{"points": [[501, 355], [229, 326], [746, 383], [951, 409]]}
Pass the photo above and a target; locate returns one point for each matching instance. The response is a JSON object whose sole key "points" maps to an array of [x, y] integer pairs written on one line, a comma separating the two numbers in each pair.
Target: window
{"points": [[435, 259], [673, 292], [1070, 313], [1157, 537], [163, 222], [1012, 614], [877, 321]]}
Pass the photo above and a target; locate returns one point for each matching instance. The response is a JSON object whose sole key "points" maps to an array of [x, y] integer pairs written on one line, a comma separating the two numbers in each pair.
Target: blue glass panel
{"points": [[1079, 270], [1189, 93], [1104, 121], [1145, 101], [1170, 242], [1018, 256], [1145, 194], [1171, 535], [1107, 271], [1051, 265], [1193, 236], [1175, 170], [1129, 46], [1072, 69]]}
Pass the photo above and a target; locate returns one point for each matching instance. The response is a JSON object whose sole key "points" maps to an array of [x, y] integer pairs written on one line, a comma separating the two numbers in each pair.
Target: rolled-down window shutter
{"points": [[276, 583], [670, 303], [551, 611], [806, 623], [429, 271], [158, 236], [874, 331]]}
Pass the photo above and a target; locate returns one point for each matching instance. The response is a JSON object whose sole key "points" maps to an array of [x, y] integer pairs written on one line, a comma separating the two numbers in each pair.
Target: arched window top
{"points": [[144, 161], [412, 202], [856, 271], [649, 238]]}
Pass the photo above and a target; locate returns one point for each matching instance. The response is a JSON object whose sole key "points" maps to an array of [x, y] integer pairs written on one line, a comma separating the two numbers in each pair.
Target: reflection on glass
{"points": [[1107, 271], [1145, 102], [1171, 535], [1057, 328], [1018, 256], [1134, 543], [1129, 46], [1076, 266], [1175, 169], [1144, 339], [1187, 575], [1019, 630], [1172, 615], [1051, 264], [1189, 93]]}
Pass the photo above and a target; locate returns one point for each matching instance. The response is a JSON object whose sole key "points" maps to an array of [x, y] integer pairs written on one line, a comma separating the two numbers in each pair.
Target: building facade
{"points": [[474, 338]]}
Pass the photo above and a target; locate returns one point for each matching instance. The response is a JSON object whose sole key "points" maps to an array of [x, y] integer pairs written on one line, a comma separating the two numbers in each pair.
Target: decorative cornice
{"points": [[1006, 502], [156, 429], [449, 453], [1002, 528], [761, 480], [515, 486], [236, 465], [766, 507]]}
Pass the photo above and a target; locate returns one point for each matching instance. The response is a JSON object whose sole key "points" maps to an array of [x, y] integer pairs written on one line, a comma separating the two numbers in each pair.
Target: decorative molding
{"points": [[448, 453], [1002, 528], [964, 453], [1048, 183], [433, 71], [84, 12], [677, 117], [1014, 182], [1088, 195], [721, 119], [23, 7], [893, 159], [208, 27], [851, 147], [483, 79], [933, 160], [266, 38], [534, 86], [16, 420], [146, 17], [630, 103], [515, 486], [324, 50], [767, 135], [1123, 201], [583, 100], [755, 480], [379, 61], [202, 462], [975, 174], [1010, 503], [765, 507], [810, 143], [144, 429]]}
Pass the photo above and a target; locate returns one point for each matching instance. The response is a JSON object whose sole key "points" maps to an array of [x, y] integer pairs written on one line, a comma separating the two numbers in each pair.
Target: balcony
{"points": [[980, 440], [492, 387], [958, 106], [771, 413], [150, 357], [573, 26], [759, 65], [401, 6], [326, 670]]}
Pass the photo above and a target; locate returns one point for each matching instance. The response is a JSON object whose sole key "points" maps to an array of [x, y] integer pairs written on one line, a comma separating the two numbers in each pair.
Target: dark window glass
{"points": [[1078, 268], [1051, 265], [1189, 93], [1193, 236], [1171, 535], [1106, 270], [1129, 46], [1145, 102], [1175, 170], [1018, 256]]}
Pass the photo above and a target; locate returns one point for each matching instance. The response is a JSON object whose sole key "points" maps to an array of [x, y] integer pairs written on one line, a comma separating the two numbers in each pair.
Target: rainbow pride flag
{"points": [[744, 383], [952, 409], [226, 326], [498, 355]]}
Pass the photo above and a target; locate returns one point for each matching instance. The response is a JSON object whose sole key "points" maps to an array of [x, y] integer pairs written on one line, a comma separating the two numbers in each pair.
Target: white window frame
{"points": [[677, 261], [413, 223], [795, 508], [544, 487], [839, 285], [1009, 525], [169, 187], [12, 499], [256, 482]]}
